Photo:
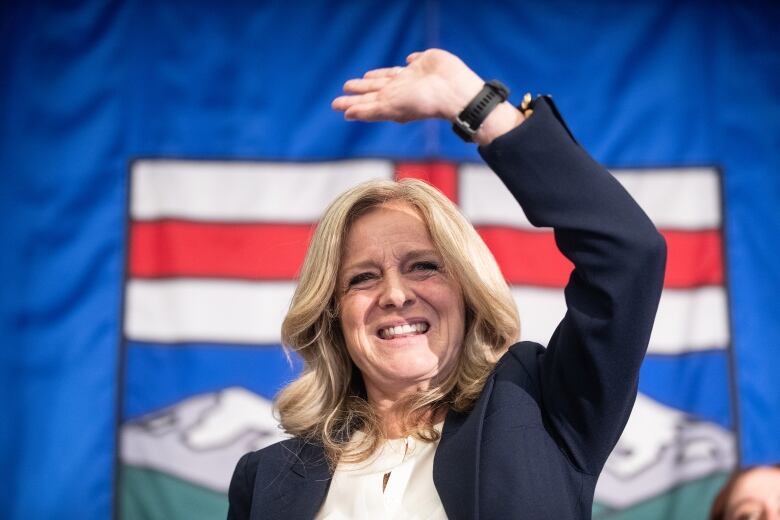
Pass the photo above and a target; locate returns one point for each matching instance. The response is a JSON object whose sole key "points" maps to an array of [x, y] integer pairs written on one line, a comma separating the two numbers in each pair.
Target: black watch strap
{"points": [[467, 123]]}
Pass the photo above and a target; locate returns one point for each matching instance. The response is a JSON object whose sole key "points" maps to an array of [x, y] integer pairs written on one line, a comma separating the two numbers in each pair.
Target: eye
{"points": [[425, 266], [360, 278]]}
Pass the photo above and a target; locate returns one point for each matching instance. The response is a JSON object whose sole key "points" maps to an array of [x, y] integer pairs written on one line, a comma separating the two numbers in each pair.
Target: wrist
{"points": [[459, 93], [487, 114], [504, 118]]}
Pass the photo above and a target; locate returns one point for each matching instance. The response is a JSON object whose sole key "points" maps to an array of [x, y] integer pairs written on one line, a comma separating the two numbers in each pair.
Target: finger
{"points": [[362, 86], [387, 72], [343, 103], [413, 56], [365, 112]]}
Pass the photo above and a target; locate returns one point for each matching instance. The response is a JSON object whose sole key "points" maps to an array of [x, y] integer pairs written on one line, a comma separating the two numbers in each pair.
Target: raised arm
{"points": [[590, 369], [588, 374]]}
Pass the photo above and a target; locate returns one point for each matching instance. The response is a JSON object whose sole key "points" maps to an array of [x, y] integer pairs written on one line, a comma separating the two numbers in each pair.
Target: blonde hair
{"points": [[327, 403]]}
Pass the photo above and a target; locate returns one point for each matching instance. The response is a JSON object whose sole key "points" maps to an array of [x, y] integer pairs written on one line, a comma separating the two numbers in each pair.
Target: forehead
{"points": [[393, 225]]}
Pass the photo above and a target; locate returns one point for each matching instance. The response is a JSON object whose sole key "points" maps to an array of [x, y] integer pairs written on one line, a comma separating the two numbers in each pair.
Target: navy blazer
{"points": [[535, 442]]}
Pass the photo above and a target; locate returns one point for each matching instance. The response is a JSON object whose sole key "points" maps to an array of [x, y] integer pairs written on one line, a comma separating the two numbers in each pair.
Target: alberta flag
{"points": [[164, 166], [213, 254]]}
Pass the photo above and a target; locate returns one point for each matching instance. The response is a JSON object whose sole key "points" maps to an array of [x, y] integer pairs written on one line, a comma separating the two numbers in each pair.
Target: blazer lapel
{"points": [[456, 462]]}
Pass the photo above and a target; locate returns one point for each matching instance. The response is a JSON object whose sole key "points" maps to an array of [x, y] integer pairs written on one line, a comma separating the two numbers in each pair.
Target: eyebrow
{"points": [[421, 253], [409, 256]]}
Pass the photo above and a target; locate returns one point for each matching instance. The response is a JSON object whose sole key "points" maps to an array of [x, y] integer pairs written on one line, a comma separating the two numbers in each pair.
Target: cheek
{"points": [[352, 316]]}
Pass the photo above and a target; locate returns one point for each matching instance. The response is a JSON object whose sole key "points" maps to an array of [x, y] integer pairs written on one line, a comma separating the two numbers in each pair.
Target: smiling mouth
{"points": [[404, 330]]}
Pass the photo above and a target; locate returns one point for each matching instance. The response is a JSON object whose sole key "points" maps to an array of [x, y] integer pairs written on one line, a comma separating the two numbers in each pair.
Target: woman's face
{"points": [[756, 496], [401, 315]]}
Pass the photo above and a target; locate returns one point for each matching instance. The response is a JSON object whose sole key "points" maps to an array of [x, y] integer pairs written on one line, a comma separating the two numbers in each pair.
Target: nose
{"points": [[396, 292]]}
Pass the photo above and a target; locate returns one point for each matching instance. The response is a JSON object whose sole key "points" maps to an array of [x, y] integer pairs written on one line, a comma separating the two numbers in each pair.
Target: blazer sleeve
{"points": [[589, 372]]}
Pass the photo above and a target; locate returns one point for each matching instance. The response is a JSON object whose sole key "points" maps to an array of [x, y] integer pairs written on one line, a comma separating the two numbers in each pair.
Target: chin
{"points": [[415, 371]]}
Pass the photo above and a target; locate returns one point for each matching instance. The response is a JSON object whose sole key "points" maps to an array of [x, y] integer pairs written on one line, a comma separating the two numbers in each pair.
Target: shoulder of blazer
{"points": [[521, 360]]}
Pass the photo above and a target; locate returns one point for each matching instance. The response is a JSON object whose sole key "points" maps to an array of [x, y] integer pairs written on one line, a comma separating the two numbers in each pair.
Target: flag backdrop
{"points": [[163, 165]]}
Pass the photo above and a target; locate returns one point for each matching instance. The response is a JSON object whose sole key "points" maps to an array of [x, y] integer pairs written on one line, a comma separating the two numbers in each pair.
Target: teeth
{"points": [[417, 328]]}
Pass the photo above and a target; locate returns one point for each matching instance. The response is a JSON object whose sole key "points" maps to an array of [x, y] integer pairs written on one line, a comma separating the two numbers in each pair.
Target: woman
{"points": [[412, 404], [749, 494]]}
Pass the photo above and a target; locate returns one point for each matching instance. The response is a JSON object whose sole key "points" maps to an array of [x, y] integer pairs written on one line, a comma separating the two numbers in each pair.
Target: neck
{"points": [[387, 408], [392, 418]]}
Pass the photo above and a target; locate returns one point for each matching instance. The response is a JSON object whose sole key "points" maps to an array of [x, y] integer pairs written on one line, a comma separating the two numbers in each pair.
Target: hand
{"points": [[434, 83]]}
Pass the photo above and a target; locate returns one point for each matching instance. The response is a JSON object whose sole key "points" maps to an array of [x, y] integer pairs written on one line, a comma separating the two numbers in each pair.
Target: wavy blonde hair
{"points": [[327, 403]]}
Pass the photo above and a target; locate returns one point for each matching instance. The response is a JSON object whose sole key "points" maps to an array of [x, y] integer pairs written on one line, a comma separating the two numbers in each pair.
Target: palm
{"points": [[434, 83]]}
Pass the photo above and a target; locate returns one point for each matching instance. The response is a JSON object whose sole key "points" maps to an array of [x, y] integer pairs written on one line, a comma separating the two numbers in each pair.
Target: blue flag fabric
{"points": [[107, 102]]}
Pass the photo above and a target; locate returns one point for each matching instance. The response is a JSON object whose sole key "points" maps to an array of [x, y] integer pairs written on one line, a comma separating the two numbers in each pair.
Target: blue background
{"points": [[86, 87]]}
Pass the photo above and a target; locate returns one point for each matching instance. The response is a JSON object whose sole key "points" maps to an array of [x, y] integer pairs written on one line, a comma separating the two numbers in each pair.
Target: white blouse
{"points": [[356, 489]]}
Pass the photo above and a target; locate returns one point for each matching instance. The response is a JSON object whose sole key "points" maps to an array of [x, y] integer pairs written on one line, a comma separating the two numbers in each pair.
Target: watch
{"points": [[467, 123]]}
